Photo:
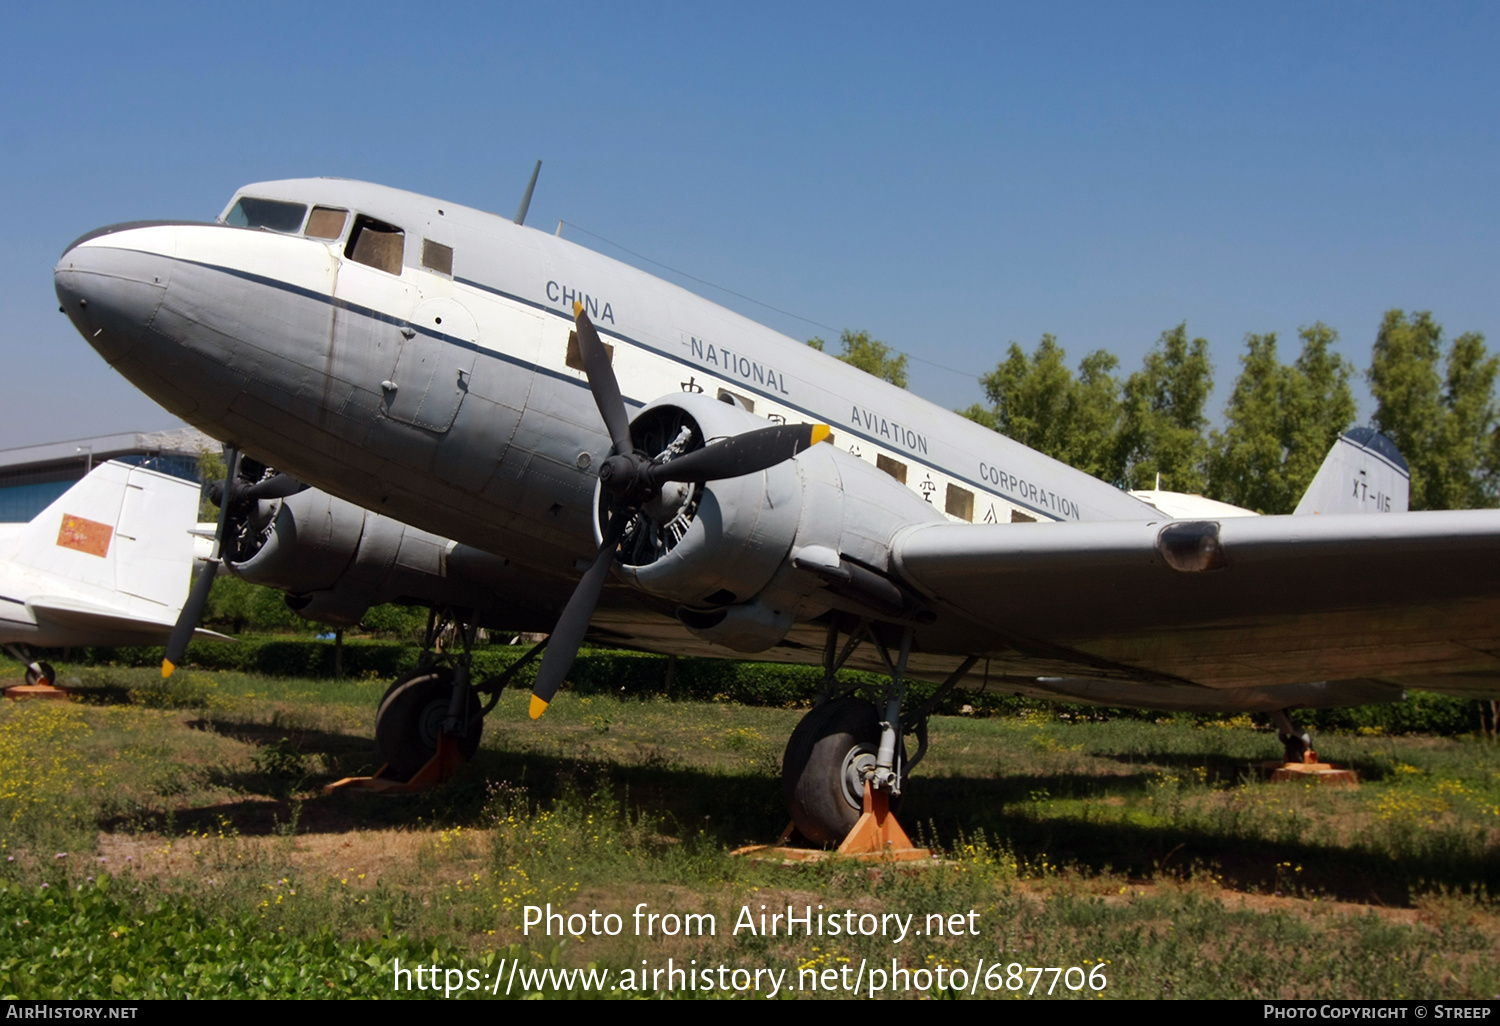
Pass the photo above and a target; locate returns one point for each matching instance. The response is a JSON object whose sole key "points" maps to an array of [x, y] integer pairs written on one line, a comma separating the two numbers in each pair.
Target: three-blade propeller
{"points": [[632, 479], [226, 494]]}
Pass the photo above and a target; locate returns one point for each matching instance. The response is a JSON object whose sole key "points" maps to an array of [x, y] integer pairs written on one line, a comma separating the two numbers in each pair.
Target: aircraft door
{"points": [[436, 363], [371, 309]]}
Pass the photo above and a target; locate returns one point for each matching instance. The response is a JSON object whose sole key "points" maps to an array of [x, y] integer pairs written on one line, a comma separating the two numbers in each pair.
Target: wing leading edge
{"points": [[1406, 599]]}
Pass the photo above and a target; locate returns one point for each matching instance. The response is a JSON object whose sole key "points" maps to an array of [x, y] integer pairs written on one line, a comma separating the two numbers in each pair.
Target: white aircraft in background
{"points": [[1364, 472], [108, 563]]}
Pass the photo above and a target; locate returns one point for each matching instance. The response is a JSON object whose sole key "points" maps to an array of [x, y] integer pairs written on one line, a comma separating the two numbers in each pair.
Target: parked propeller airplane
{"points": [[430, 362], [107, 563]]}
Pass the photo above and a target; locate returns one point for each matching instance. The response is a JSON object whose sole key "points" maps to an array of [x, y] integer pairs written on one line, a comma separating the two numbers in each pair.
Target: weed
{"points": [[1150, 849]]}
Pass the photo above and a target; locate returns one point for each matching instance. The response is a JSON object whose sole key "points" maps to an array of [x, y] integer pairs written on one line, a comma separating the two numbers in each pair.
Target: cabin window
{"points": [[376, 244], [1017, 517], [274, 215], [437, 257], [575, 355], [960, 503], [895, 468], [326, 223]]}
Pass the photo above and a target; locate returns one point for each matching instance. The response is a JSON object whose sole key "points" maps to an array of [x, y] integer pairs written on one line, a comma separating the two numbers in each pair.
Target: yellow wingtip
{"points": [[538, 706], [577, 308], [820, 432], [167, 666]]}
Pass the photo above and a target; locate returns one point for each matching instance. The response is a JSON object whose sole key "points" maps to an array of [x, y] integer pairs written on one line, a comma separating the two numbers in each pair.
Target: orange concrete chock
{"points": [[1309, 769], [876, 836], [23, 692], [440, 769]]}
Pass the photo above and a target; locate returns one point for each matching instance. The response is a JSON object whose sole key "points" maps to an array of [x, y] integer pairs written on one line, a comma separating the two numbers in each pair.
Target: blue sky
{"points": [[950, 178]]}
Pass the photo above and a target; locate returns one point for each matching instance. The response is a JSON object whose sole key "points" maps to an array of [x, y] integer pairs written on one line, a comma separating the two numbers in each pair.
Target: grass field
{"points": [[170, 839]]}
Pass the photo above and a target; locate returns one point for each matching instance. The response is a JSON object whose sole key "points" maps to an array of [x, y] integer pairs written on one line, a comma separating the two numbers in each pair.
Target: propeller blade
{"points": [[740, 454], [277, 486], [567, 636], [602, 382], [187, 620], [192, 609]]}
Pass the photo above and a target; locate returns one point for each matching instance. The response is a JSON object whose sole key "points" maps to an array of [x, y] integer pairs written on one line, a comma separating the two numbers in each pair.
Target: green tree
{"points": [[210, 468], [1444, 423], [1322, 405], [1280, 421], [870, 355], [1037, 401], [235, 605], [1162, 421]]}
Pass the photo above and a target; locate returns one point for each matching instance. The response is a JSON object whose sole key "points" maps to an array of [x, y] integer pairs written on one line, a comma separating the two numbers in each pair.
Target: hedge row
{"points": [[599, 671], [596, 671]]}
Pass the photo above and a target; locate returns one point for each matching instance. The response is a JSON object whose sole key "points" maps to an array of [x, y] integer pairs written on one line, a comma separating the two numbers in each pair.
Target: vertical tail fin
{"points": [[1364, 472], [122, 532]]}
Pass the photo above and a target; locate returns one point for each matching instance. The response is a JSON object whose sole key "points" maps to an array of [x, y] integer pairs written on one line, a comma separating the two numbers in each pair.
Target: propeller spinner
{"points": [[633, 479]]}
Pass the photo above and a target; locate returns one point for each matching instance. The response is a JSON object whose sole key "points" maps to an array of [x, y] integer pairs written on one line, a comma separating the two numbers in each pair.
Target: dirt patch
{"points": [[372, 855]]}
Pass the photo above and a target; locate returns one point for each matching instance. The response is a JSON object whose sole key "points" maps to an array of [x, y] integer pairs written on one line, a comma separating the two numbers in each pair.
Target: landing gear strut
{"points": [[1300, 762], [430, 721], [846, 763], [1295, 744]]}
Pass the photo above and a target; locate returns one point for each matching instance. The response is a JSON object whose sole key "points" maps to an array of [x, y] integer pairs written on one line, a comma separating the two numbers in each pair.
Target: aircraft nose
{"points": [[111, 282]]}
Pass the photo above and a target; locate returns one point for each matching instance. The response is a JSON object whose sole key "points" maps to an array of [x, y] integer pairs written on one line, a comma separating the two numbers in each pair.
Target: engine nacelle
{"points": [[335, 560], [723, 553], [308, 543], [728, 536]]}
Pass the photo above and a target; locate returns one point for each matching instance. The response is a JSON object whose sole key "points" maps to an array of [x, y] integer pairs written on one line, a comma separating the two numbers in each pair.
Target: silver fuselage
{"points": [[447, 401]]}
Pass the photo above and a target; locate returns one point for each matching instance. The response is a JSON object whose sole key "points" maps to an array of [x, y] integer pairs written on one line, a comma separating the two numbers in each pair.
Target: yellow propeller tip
{"points": [[577, 308], [538, 706], [167, 666], [820, 432]]}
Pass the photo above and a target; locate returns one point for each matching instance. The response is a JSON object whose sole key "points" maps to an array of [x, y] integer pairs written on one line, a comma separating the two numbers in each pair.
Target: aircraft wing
{"points": [[103, 622], [1408, 599]]}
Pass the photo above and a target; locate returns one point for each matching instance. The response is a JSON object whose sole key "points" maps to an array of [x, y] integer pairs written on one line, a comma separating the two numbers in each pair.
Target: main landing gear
{"points": [[1300, 761], [845, 765], [1295, 744], [429, 722]]}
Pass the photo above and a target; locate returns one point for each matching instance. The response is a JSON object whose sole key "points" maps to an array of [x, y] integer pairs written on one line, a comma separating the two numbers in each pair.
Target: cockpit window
{"points": [[376, 243], [275, 215], [326, 223]]}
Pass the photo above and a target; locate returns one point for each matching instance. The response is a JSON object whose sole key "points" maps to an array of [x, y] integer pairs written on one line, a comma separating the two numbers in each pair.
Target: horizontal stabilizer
{"points": [[99, 621]]}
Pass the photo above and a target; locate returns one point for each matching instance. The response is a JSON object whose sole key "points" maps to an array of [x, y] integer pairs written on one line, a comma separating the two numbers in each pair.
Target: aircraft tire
{"points": [[411, 717], [822, 804], [47, 676]]}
